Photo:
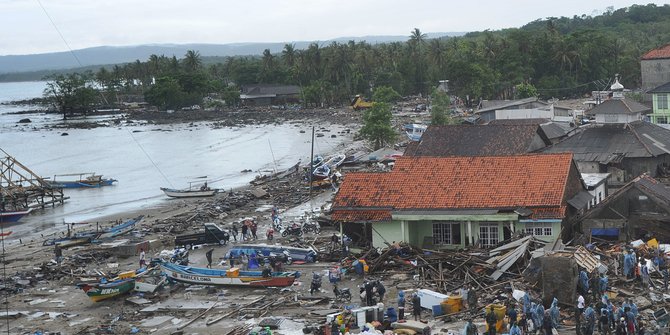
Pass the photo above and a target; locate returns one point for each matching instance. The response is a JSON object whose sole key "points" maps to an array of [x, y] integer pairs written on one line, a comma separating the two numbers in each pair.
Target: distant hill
{"points": [[117, 55]]}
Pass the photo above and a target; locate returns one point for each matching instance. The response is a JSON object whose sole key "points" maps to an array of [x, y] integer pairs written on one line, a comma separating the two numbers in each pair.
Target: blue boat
{"points": [[84, 180], [299, 255], [13, 216], [120, 229], [414, 131]]}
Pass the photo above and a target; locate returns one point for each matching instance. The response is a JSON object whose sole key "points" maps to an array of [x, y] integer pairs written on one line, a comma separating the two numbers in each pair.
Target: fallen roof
{"points": [[611, 143], [477, 140]]}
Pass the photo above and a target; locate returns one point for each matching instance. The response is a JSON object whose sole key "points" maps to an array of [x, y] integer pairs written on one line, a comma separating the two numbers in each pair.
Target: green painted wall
{"points": [[659, 112], [555, 229], [388, 232]]}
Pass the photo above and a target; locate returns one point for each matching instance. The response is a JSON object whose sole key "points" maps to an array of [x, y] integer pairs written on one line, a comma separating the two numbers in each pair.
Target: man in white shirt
{"points": [[578, 314], [143, 256]]}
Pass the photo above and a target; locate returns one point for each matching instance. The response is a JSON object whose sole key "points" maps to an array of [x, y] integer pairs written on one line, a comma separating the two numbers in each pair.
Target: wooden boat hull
{"points": [[13, 216], [121, 229], [172, 193], [83, 183], [245, 278], [98, 292]]}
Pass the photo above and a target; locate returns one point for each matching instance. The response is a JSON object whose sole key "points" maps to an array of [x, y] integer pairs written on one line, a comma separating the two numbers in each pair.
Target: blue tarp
{"points": [[605, 231]]}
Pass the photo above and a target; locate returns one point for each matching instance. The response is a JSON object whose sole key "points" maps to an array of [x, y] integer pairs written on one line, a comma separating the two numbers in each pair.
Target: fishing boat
{"points": [[120, 229], [78, 238], [335, 161], [13, 216], [414, 131], [83, 180], [321, 172], [173, 193], [101, 291], [230, 277]]}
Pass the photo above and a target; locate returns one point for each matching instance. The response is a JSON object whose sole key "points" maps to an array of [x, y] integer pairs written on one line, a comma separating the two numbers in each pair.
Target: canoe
{"points": [[99, 291], [174, 193], [13, 216], [121, 229], [231, 277]]}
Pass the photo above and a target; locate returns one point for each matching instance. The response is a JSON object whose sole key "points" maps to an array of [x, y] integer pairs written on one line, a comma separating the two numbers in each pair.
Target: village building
{"points": [[638, 210], [661, 110], [655, 67], [596, 184], [479, 140], [528, 108], [454, 202], [619, 142], [267, 95]]}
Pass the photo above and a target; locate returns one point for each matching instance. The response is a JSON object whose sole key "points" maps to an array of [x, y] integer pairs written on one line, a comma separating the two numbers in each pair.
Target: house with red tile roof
{"points": [[453, 202], [655, 67]]}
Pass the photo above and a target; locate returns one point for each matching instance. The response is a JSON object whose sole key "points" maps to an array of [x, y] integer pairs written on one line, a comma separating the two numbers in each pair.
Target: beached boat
{"points": [[83, 180], [14, 216], [335, 161], [173, 193], [414, 131], [102, 291], [120, 229], [322, 172], [78, 238], [230, 277]]}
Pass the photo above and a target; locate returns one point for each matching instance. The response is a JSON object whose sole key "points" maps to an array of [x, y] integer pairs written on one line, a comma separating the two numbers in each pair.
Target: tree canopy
{"points": [[377, 127]]}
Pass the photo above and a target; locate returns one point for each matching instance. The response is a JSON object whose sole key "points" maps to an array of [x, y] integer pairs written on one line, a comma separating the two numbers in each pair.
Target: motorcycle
{"points": [[316, 283], [311, 227], [180, 256], [283, 257], [297, 231], [342, 295], [270, 234]]}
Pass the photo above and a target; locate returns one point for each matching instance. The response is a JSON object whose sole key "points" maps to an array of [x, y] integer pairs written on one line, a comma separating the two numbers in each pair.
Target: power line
{"points": [[149, 157], [59, 33]]}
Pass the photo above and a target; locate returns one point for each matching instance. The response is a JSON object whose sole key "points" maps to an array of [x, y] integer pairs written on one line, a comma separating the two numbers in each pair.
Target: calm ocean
{"points": [[144, 158]]}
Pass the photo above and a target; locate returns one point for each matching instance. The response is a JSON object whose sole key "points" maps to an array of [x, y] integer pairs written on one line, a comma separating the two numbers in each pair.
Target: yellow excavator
{"points": [[359, 103]]}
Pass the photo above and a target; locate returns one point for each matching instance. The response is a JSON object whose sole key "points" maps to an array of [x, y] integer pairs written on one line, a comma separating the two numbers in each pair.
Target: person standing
{"points": [[578, 313], [416, 307], [253, 229], [401, 305], [235, 232], [244, 232], [511, 314], [470, 328], [491, 320], [381, 290], [209, 258], [143, 261], [472, 298], [58, 252], [590, 317]]}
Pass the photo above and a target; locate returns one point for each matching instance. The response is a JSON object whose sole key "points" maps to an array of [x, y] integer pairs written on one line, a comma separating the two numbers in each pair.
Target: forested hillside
{"points": [[561, 57]]}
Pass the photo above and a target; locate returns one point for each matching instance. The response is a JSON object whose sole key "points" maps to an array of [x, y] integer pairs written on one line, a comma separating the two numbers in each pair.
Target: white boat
{"points": [[173, 193], [414, 131], [335, 161]]}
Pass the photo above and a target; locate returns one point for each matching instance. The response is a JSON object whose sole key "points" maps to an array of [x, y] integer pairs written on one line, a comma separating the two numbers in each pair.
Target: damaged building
{"points": [[639, 209], [454, 202]]}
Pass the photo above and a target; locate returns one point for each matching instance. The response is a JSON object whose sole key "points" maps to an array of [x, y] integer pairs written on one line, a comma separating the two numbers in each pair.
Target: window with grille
{"points": [[539, 229], [446, 233], [662, 101], [488, 234]]}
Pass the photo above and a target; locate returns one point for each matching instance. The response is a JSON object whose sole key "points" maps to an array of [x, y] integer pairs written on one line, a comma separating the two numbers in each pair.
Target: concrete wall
{"points": [[655, 72], [617, 118], [383, 232], [504, 114]]}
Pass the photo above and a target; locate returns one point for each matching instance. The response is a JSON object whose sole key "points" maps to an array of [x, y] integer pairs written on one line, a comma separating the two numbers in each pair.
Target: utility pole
{"points": [[311, 169]]}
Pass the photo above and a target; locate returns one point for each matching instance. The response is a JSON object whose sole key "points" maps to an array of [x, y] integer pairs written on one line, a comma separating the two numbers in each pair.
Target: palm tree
{"points": [[192, 61], [288, 55], [417, 38]]}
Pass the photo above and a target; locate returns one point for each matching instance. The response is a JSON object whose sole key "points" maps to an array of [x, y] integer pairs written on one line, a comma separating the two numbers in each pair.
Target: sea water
{"points": [[144, 158]]}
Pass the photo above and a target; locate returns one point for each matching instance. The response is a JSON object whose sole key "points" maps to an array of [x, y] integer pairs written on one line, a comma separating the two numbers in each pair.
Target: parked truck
{"points": [[213, 234]]}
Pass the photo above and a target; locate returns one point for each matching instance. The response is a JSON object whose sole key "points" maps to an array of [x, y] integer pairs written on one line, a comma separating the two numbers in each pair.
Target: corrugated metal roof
{"points": [[619, 106], [665, 88]]}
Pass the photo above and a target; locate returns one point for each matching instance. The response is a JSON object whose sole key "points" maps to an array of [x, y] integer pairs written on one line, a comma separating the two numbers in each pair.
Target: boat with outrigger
{"points": [[146, 280], [82, 180], [191, 192], [228, 277]]}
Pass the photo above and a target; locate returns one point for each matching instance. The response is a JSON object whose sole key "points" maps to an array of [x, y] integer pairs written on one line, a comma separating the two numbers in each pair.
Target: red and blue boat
{"points": [[15, 216]]}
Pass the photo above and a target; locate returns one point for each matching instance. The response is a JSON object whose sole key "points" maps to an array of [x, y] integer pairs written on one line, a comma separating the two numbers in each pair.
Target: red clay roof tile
{"points": [[361, 216], [660, 53], [460, 182]]}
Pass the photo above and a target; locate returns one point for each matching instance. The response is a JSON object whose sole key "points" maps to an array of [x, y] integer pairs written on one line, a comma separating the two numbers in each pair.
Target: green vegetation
{"points": [[439, 113], [377, 127], [72, 94], [386, 94], [554, 57]]}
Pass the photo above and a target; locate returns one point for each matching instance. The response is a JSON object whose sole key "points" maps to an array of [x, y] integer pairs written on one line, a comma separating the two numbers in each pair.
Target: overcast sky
{"points": [[26, 29]]}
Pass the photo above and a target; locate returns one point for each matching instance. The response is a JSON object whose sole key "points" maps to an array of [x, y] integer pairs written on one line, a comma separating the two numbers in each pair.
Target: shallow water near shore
{"points": [[145, 158]]}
